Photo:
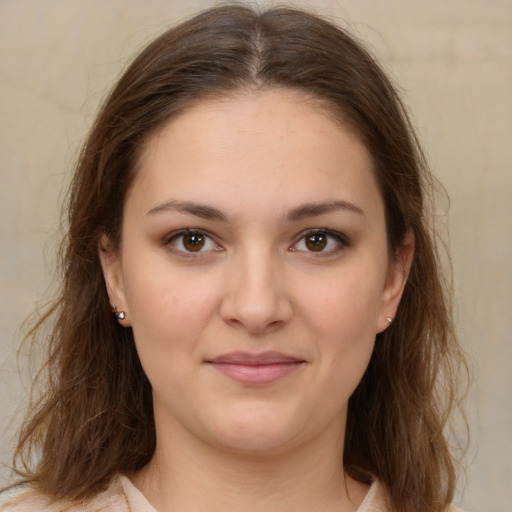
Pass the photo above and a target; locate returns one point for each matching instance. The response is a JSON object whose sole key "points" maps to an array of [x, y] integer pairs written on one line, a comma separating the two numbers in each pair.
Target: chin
{"points": [[257, 443], [261, 432]]}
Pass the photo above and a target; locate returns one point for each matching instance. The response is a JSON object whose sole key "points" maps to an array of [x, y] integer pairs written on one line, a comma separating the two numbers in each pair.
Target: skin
{"points": [[256, 284]]}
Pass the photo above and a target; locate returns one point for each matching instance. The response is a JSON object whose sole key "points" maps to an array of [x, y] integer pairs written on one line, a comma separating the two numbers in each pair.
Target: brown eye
{"points": [[324, 242], [194, 242], [316, 242]]}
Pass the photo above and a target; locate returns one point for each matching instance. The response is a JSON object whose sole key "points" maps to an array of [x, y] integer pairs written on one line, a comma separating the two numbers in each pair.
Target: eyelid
{"points": [[342, 240], [167, 242]]}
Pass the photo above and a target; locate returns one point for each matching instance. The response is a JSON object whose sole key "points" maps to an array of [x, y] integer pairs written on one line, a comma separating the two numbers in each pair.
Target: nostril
{"points": [[255, 320]]}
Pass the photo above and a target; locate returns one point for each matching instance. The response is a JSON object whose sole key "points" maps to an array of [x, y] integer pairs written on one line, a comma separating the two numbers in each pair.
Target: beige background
{"points": [[453, 61]]}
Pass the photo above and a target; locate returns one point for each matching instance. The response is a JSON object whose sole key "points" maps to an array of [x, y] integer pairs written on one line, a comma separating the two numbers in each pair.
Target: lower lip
{"points": [[256, 374]]}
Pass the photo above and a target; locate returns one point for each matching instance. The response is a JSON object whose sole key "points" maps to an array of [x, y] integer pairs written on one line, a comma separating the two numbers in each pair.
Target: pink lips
{"points": [[250, 368]]}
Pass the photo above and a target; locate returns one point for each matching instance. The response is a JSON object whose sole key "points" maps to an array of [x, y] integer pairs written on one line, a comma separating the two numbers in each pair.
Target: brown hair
{"points": [[95, 418]]}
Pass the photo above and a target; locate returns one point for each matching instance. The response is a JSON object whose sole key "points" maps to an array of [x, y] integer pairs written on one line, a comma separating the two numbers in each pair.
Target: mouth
{"points": [[256, 369]]}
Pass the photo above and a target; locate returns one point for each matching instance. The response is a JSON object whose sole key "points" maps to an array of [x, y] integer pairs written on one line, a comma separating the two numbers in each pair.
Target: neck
{"points": [[188, 475]]}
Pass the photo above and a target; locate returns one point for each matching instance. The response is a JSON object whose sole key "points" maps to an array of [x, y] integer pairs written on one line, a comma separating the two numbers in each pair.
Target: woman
{"points": [[252, 206]]}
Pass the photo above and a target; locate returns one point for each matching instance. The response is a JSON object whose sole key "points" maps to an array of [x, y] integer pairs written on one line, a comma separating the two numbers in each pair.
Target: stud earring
{"points": [[389, 320], [120, 315]]}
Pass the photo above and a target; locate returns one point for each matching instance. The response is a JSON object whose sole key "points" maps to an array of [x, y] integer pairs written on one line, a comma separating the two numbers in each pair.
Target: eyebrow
{"points": [[198, 209], [317, 209], [211, 213]]}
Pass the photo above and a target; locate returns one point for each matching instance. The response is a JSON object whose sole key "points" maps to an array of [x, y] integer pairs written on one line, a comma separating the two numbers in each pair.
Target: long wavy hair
{"points": [[94, 418]]}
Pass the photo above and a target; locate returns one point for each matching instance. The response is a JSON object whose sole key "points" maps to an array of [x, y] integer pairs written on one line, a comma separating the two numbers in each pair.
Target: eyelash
{"points": [[340, 239], [176, 235]]}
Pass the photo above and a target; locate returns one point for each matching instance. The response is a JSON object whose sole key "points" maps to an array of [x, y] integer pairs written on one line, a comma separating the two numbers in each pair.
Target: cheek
{"points": [[344, 317], [169, 311], [347, 302]]}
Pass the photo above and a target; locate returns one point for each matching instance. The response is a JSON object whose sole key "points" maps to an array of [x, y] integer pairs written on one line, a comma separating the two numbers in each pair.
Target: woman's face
{"points": [[254, 271]]}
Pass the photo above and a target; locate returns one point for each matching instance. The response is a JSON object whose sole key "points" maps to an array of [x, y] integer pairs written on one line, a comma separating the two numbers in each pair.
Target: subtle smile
{"points": [[255, 369]]}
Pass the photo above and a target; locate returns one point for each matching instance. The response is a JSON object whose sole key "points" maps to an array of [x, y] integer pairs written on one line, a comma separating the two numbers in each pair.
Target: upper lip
{"points": [[255, 359]]}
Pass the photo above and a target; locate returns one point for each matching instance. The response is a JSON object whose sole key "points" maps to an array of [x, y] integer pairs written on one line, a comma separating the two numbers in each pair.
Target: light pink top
{"points": [[123, 496], [137, 502]]}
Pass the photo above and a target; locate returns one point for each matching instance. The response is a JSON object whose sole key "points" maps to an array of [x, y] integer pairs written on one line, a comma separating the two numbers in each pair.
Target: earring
{"points": [[120, 315], [389, 320]]}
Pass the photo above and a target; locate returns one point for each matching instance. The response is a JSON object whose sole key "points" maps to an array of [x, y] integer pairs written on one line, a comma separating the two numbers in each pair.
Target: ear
{"points": [[398, 272], [112, 272]]}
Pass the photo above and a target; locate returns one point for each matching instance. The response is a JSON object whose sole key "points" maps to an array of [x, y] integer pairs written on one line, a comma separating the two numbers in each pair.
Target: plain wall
{"points": [[453, 62]]}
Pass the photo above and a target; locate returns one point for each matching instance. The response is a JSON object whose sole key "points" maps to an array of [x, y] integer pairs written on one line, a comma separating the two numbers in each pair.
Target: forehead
{"points": [[279, 146]]}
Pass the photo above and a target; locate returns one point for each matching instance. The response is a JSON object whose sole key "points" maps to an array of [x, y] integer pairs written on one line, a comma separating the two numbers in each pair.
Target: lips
{"points": [[256, 369]]}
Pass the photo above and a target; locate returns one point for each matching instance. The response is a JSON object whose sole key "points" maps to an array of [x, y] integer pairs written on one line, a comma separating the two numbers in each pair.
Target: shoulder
{"points": [[375, 500], [29, 499]]}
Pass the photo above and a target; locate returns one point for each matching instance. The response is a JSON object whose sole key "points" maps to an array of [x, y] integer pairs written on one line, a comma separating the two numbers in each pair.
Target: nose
{"points": [[255, 297]]}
